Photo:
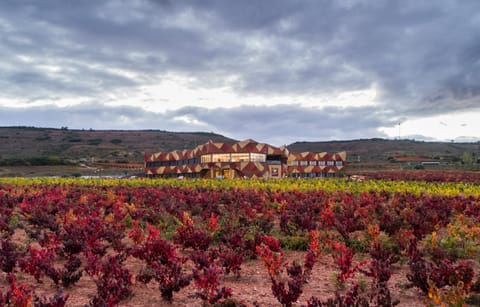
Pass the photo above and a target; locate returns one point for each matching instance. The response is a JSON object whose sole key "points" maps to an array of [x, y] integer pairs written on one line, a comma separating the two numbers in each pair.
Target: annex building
{"points": [[245, 159]]}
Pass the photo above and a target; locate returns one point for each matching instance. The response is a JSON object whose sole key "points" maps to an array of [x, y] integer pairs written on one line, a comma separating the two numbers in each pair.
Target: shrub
{"points": [[206, 280], [441, 273], [288, 290], [293, 243], [190, 237], [231, 259], [40, 262], [343, 257], [17, 295], [162, 264], [94, 142], [9, 256], [113, 281]]}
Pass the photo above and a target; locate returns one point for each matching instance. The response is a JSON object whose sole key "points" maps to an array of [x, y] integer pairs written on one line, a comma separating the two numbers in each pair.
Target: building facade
{"points": [[245, 159]]}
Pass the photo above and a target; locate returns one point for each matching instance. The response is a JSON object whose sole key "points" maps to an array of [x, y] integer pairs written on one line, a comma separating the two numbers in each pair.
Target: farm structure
{"points": [[245, 159]]}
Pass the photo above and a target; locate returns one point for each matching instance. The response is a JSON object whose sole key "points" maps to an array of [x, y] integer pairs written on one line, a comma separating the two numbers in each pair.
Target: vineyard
{"points": [[137, 242]]}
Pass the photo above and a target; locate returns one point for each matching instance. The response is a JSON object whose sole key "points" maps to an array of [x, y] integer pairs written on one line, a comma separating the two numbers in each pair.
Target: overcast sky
{"points": [[271, 70]]}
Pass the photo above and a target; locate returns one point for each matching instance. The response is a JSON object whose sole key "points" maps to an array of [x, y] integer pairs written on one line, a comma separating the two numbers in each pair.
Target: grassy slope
{"points": [[108, 145]]}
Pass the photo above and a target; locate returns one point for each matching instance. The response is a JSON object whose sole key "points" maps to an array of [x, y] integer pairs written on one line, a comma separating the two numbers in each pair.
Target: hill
{"points": [[102, 145], [378, 151]]}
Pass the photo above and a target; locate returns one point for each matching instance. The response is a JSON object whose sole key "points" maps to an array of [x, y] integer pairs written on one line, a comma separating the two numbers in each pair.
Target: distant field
{"points": [[65, 170]]}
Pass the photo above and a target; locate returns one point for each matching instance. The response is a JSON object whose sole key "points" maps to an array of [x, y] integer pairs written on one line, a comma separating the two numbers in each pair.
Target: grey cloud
{"points": [[288, 123], [411, 51], [89, 115], [422, 56], [112, 34], [74, 80]]}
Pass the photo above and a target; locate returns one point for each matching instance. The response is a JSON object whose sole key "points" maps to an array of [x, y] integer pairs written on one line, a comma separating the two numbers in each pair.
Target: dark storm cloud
{"points": [[288, 123], [281, 124], [89, 115], [423, 57]]}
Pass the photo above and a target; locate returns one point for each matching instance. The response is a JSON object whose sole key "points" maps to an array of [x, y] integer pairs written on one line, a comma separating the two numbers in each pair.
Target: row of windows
{"points": [[173, 163], [234, 157], [311, 175], [315, 163]]}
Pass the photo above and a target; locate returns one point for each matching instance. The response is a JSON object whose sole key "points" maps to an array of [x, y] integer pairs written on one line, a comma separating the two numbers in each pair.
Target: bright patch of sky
{"points": [[460, 127], [175, 92]]}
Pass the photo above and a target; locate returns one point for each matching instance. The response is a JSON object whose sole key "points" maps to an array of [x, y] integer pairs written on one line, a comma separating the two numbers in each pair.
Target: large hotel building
{"points": [[245, 159]]}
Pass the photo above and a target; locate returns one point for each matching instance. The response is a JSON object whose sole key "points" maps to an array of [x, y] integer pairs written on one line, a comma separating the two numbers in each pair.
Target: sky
{"points": [[277, 71]]}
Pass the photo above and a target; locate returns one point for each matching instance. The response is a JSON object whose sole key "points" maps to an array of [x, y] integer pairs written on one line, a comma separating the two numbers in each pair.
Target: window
{"points": [[321, 163], [339, 163], [255, 157], [330, 163], [303, 163], [240, 157], [221, 157], [274, 162], [312, 163], [206, 158], [294, 163]]}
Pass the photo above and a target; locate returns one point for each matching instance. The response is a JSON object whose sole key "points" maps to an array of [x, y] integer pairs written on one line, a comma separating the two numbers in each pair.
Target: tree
{"points": [[467, 158]]}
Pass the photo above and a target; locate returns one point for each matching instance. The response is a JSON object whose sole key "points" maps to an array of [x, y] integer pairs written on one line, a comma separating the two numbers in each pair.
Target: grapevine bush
{"points": [[190, 234]]}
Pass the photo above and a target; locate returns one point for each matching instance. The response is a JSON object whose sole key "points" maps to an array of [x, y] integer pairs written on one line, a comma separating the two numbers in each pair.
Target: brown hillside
{"points": [[101, 145], [382, 150]]}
